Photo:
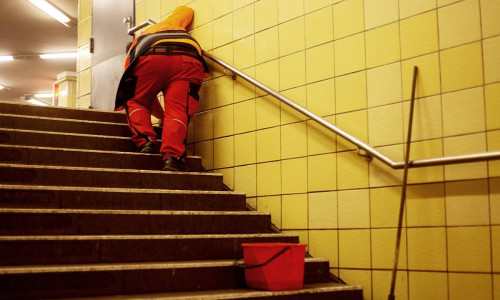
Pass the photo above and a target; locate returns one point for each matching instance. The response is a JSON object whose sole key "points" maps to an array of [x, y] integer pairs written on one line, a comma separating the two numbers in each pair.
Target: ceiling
{"points": [[26, 30]]}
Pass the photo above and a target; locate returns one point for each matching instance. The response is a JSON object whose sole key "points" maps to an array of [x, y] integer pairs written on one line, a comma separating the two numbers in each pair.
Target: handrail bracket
{"points": [[365, 154], [227, 73]]}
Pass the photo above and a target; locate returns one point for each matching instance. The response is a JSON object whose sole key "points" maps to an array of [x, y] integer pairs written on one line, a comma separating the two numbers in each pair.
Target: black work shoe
{"points": [[148, 147], [173, 164]]}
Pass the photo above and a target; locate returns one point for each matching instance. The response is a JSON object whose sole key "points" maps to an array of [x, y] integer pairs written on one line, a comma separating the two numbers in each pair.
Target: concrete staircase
{"points": [[81, 215]]}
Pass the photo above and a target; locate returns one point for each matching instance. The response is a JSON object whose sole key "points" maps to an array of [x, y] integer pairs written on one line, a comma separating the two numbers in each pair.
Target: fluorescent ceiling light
{"points": [[58, 55], [36, 102], [1, 87], [6, 57], [52, 11], [43, 95]]}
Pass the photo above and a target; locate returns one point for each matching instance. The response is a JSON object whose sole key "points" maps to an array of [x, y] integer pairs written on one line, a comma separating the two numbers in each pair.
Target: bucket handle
{"points": [[242, 265]]}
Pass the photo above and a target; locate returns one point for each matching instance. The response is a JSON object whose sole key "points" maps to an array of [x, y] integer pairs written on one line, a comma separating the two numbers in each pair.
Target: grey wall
{"points": [[110, 40]]}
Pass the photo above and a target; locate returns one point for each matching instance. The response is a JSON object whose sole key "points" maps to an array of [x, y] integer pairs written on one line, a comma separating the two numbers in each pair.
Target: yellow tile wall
{"points": [[356, 123], [382, 45], [455, 31], [427, 249], [383, 243], [428, 123], [351, 62], [244, 52], [467, 203], [491, 52], [321, 97], [408, 8], [350, 54], [288, 36], [419, 35], [319, 139], [386, 125], [426, 205], [294, 211], [489, 21], [469, 249], [350, 92], [470, 286], [294, 176], [323, 210], [354, 248], [324, 243], [429, 77], [383, 85], [348, 18], [374, 16], [474, 143], [354, 209], [288, 114], [323, 19], [423, 282]]}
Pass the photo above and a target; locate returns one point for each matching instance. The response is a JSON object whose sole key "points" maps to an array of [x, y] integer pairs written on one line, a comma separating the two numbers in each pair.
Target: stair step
{"points": [[81, 215], [19, 196], [30, 155], [65, 140], [43, 250], [101, 177], [88, 222], [313, 291], [63, 125], [27, 282], [61, 112]]}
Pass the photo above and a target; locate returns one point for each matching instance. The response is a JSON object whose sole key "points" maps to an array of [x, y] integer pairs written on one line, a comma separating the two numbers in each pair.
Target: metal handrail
{"points": [[370, 152], [146, 23]]}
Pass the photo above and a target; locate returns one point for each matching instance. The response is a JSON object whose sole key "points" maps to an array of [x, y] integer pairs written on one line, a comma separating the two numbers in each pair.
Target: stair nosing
{"points": [[128, 212], [311, 288], [63, 133], [73, 149], [98, 111], [141, 237], [97, 151], [114, 190], [135, 171], [33, 269], [62, 119]]}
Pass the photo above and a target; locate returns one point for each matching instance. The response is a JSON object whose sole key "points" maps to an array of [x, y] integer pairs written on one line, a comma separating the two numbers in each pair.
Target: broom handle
{"points": [[403, 192]]}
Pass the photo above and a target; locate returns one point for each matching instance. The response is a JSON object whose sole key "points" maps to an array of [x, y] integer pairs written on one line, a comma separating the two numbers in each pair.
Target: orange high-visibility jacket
{"points": [[172, 30]]}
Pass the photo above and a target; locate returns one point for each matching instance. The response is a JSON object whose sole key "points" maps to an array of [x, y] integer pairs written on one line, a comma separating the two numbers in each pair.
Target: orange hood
{"points": [[180, 19]]}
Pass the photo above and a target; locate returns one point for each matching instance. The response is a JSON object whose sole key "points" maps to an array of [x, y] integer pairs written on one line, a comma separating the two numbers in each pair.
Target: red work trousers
{"points": [[176, 76]]}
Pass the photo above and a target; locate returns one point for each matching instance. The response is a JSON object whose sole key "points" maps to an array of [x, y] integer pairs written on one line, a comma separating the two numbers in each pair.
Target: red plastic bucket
{"points": [[284, 272]]}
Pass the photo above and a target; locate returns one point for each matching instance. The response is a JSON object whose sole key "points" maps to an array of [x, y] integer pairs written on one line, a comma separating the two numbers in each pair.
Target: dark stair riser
{"points": [[81, 199], [25, 175], [106, 223], [67, 126], [64, 125], [65, 140], [78, 158], [134, 249], [65, 113], [101, 283]]}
